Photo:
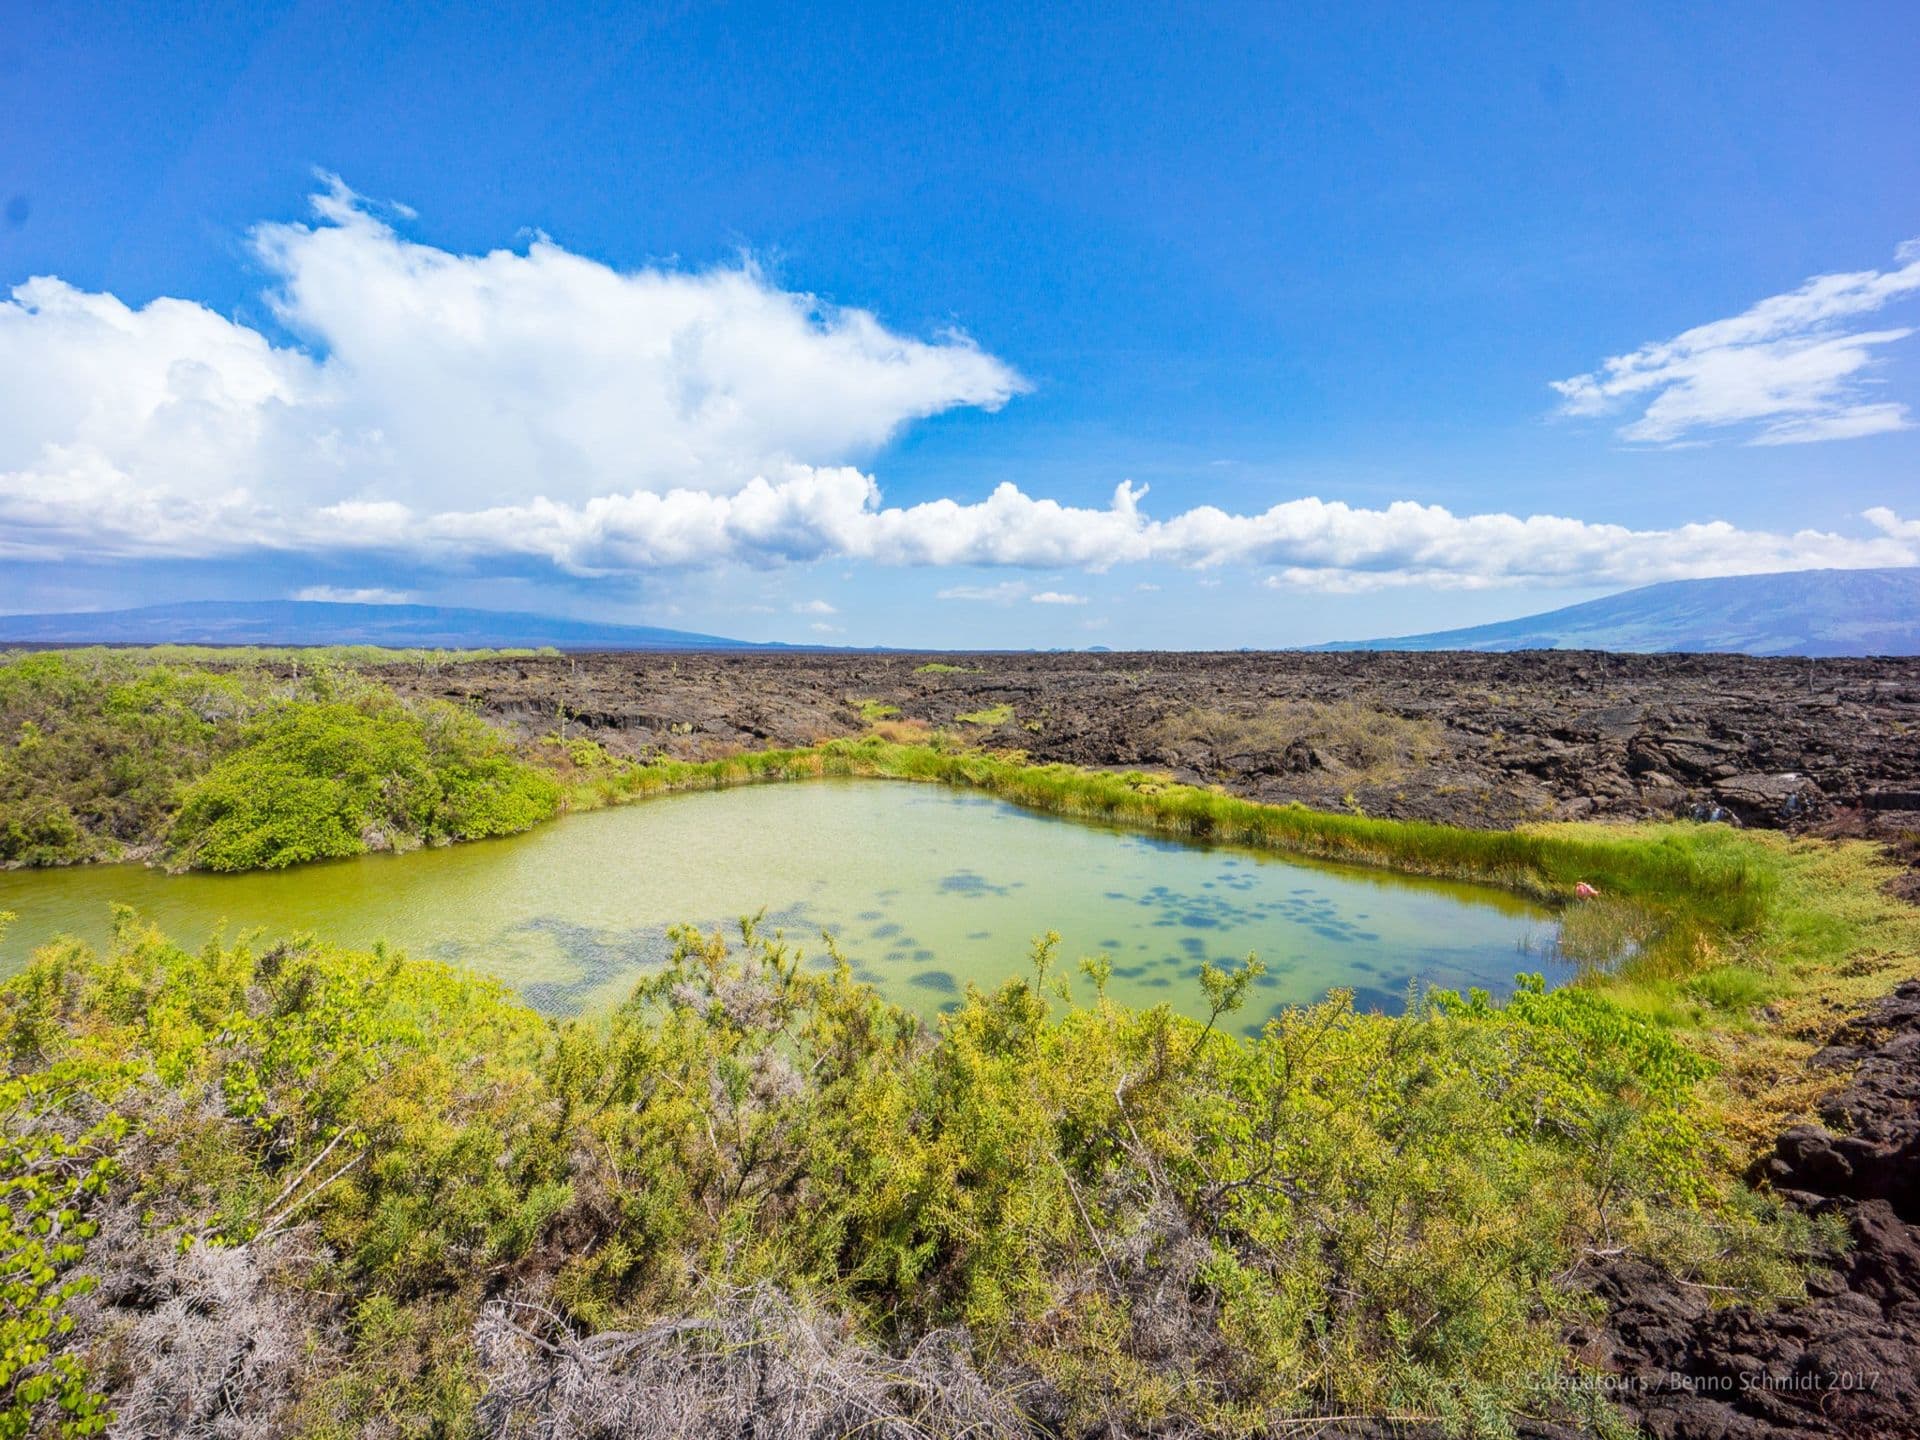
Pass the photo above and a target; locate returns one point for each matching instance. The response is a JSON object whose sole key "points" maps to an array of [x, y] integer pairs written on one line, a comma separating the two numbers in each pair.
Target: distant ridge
{"points": [[1800, 612], [322, 622]]}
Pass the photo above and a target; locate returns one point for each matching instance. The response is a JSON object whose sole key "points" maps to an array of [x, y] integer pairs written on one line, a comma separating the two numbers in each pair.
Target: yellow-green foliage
{"points": [[1167, 1221], [391, 1104], [241, 765], [321, 780], [301, 657], [48, 1181], [989, 715], [95, 747]]}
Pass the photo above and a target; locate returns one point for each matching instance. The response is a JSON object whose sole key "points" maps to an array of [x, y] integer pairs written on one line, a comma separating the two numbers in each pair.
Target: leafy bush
{"points": [[105, 753], [315, 781], [1125, 1219], [96, 745]]}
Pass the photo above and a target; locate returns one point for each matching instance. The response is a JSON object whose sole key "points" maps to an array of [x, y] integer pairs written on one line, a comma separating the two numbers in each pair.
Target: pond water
{"points": [[925, 889]]}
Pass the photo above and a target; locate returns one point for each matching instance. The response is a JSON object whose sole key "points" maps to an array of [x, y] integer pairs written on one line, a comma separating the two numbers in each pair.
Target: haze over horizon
{"points": [[1001, 329]]}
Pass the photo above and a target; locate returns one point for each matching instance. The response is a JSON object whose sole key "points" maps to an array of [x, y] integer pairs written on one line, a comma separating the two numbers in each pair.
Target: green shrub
{"points": [[316, 781], [1172, 1226], [311, 782], [96, 745]]}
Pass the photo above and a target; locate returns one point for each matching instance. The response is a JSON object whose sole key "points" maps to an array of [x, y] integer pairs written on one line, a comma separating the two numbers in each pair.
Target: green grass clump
{"points": [[941, 667], [872, 710], [990, 715]]}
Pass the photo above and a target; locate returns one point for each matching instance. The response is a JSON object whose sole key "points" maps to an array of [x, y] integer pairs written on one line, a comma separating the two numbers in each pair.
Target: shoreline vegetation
{"points": [[314, 765], [346, 1192]]}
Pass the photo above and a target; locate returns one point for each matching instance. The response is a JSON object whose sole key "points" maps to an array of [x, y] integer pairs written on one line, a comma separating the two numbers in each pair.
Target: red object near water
{"points": [[1585, 891]]}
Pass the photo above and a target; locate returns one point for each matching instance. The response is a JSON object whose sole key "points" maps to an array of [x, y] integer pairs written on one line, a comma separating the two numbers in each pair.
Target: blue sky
{"points": [[774, 300]]}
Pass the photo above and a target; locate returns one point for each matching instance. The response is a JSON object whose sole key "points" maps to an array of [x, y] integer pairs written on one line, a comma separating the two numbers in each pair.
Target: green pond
{"points": [[925, 889]]}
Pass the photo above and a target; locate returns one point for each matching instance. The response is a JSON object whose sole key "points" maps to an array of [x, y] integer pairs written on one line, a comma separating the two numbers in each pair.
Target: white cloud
{"points": [[813, 607], [1789, 370], [807, 514], [437, 383], [822, 628], [1890, 524], [1055, 597], [370, 596], [537, 411], [1005, 593]]}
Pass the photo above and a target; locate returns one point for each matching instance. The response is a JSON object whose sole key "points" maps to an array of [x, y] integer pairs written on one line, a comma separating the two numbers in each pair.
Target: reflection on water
{"points": [[926, 889]]}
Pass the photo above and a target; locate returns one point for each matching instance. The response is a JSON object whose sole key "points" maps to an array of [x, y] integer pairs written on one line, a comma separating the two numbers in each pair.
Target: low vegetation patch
{"points": [[96, 746], [108, 754], [338, 1192], [1336, 736], [989, 715], [313, 782]]}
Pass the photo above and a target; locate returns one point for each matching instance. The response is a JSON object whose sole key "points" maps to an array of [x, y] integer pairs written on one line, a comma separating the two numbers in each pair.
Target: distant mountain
{"points": [[1801, 612], [318, 622]]}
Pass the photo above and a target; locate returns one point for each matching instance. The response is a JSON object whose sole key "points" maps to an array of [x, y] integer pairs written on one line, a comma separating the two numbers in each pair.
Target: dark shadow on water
{"points": [[971, 886], [596, 957]]}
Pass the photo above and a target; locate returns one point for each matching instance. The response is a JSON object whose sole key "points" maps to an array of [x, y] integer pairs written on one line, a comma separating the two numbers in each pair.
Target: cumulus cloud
{"points": [[537, 410], [1888, 523], [1056, 597], [1792, 369], [372, 595], [809, 514], [814, 607], [433, 382]]}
